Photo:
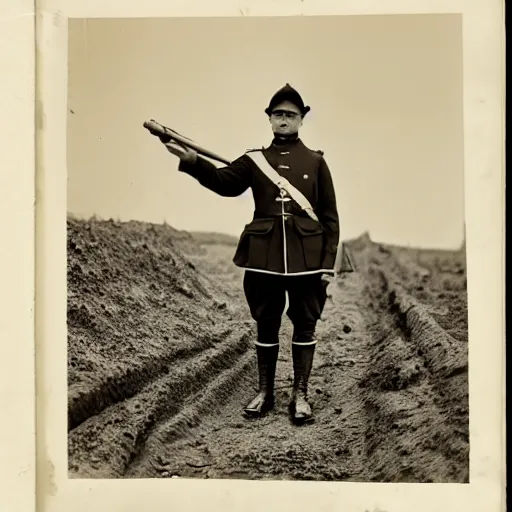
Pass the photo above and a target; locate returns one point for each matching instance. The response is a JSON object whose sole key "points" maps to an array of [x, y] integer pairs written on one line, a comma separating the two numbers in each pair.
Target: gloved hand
{"points": [[327, 279]]}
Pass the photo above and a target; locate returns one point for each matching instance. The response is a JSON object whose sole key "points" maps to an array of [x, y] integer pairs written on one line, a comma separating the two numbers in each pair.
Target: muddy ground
{"points": [[161, 363]]}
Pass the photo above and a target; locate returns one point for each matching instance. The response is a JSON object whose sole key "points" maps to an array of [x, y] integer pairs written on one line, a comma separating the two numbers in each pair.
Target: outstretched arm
{"points": [[327, 213], [228, 181]]}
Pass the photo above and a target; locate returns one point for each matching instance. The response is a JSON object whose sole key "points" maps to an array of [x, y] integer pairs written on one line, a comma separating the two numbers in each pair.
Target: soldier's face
{"points": [[285, 119]]}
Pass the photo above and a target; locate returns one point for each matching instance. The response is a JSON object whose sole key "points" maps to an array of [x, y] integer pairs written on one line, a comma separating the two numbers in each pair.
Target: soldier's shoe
{"points": [[260, 405], [300, 409]]}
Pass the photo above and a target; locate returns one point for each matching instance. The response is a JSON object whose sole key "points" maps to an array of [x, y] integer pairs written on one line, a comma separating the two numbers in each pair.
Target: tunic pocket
{"points": [[255, 243], [312, 237]]}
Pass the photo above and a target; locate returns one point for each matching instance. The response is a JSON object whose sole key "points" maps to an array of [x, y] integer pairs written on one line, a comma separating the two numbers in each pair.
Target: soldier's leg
{"points": [[266, 298], [307, 296]]}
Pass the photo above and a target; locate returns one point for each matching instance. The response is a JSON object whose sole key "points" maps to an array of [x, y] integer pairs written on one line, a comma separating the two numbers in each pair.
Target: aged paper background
{"points": [[483, 197], [17, 380]]}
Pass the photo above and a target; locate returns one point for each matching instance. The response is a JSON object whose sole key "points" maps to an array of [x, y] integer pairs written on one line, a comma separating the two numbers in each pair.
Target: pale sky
{"points": [[386, 108]]}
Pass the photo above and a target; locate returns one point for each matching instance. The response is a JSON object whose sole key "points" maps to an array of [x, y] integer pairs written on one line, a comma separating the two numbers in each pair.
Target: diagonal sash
{"points": [[259, 159]]}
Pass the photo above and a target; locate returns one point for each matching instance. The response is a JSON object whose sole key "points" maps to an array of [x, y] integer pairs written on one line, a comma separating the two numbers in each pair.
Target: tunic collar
{"points": [[286, 143]]}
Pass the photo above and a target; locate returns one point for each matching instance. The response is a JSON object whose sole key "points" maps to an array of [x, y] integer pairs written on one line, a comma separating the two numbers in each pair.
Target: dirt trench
{"points": [[161, 363]]}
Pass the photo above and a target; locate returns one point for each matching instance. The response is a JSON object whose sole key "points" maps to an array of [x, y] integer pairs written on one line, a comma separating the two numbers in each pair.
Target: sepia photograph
{"points": [[266, 249]]}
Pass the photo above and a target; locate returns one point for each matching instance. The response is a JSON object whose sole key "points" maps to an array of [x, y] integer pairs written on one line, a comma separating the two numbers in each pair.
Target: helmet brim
{"points": [[303, 111]]}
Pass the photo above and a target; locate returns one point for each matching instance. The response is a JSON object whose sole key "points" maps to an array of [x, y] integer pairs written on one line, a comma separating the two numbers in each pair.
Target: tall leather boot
{"points": [[300, 410], [264, 400]]}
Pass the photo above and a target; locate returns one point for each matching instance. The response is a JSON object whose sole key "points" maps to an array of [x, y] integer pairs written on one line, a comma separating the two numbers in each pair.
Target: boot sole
{"points": [[302, 421], [299, 421], [252, 413]]}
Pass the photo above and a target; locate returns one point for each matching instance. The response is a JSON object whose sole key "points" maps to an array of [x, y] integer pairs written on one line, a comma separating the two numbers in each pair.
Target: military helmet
{"points": [[287, 93]]}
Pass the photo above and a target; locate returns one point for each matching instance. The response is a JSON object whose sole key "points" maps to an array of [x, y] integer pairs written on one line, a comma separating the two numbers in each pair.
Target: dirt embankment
{"points": [[161, 363]]}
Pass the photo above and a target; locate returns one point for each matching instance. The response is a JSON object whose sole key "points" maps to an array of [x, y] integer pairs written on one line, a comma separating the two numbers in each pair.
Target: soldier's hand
{"points": [[327, 279], [184, 153]]}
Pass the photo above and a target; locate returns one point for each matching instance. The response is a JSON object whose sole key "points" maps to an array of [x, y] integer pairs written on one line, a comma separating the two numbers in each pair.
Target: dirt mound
{"points": [[143, 322], [416, 382], [161, 364]]}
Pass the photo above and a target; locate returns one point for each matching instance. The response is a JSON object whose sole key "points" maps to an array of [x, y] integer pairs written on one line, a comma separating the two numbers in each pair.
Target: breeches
{"points": [[266, 297]]}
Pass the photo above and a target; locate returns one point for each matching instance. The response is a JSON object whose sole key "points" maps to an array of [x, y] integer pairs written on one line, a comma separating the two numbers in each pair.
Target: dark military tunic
{"points": [[281, 238]]}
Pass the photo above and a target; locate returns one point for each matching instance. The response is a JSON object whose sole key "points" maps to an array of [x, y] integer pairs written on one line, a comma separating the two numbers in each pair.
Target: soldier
{"points": [[289, 245]]}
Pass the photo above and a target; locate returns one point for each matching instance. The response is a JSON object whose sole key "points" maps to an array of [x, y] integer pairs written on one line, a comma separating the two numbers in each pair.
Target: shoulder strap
{"points": [[259, 159]]}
